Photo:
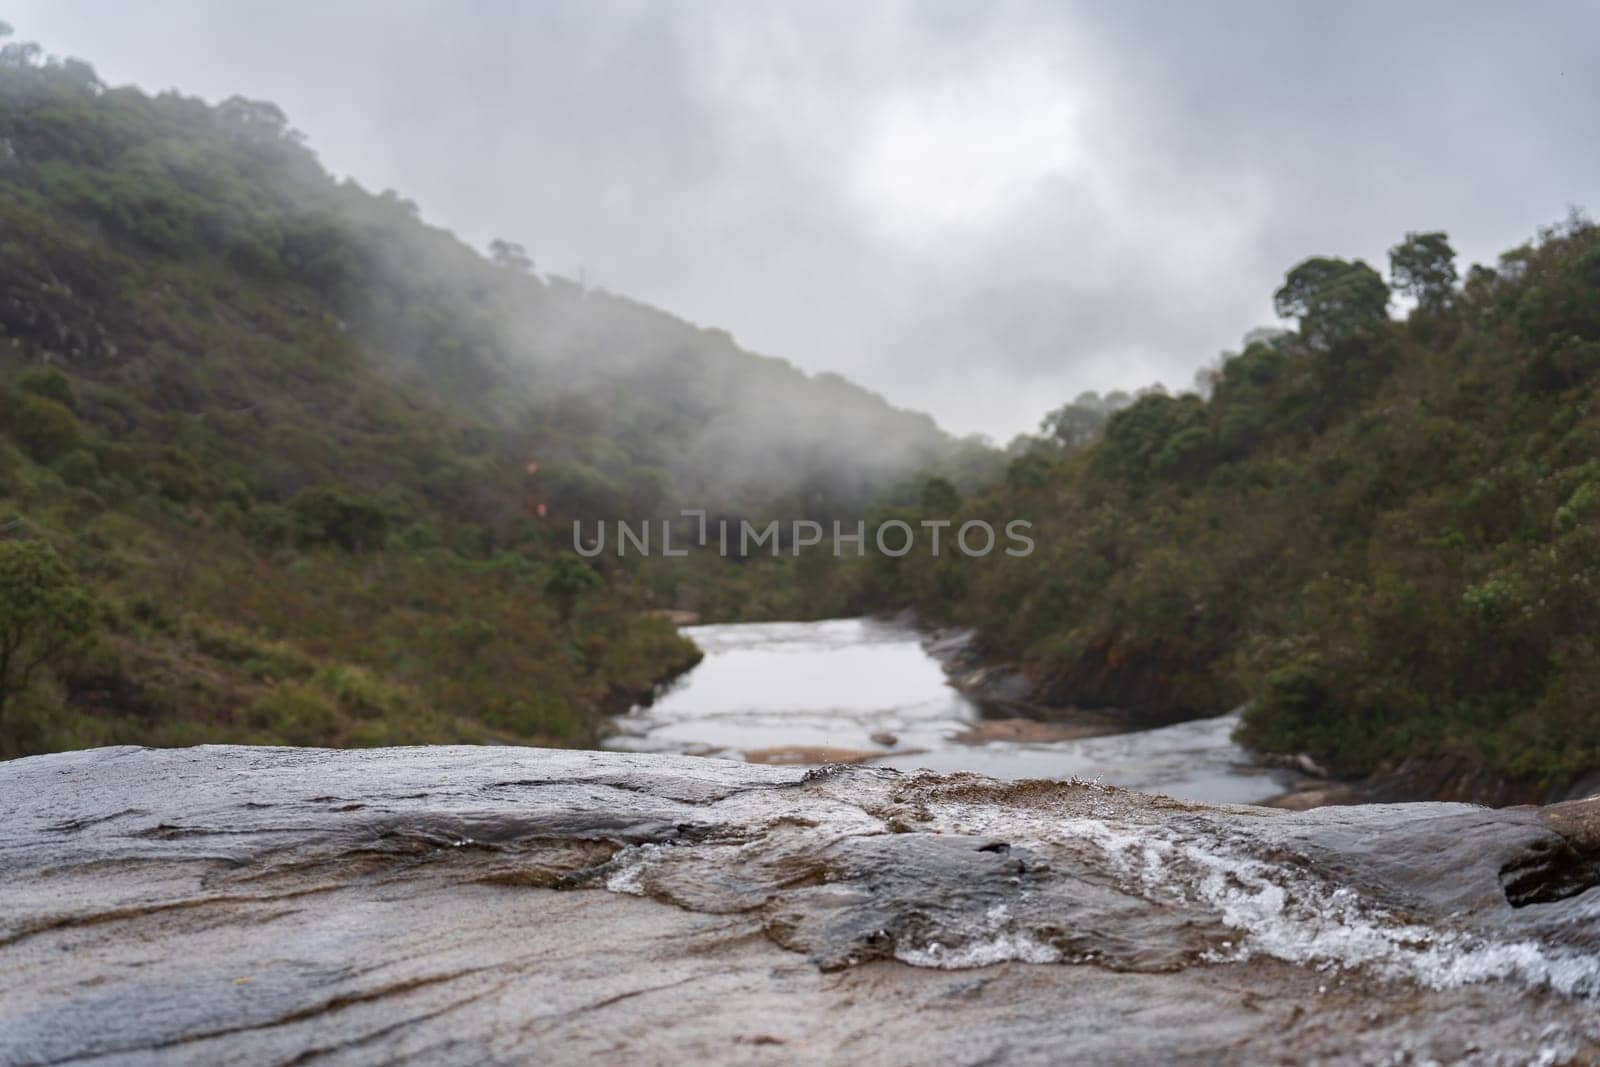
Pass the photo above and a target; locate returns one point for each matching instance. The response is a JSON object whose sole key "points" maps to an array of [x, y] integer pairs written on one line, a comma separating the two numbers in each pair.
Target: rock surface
{"points": [[481, 905]]}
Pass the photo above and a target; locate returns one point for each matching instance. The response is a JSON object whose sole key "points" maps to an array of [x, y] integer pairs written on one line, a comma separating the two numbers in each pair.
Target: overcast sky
{"points": [[976, 209]]}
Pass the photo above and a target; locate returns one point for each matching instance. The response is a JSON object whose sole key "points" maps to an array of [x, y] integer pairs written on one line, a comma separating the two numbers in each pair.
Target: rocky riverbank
{"points": [[470, 905], [1014, 697]]}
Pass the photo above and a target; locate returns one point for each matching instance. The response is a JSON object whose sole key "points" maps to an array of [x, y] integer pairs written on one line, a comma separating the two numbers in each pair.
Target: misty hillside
{"points": [[280, 463], [1383, 536], [222, 209]]}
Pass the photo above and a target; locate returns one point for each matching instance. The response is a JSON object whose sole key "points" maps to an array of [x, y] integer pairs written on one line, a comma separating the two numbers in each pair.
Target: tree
{"points": [[254, 116], [1075, 424], [44, 612], [1294, 298], [1158, 435], [1424, 266], [19, 55], [510, 255], [939, 496], [1335, 300], [1031, 470]]}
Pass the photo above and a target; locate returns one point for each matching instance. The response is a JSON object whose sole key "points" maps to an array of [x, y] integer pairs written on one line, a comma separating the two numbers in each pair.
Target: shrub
{"points": [[51, 384], [269, 525], [45, 428], [78, 467], [46, 611], [569, 581], [330, 515], [295, 714], [362, 695]]}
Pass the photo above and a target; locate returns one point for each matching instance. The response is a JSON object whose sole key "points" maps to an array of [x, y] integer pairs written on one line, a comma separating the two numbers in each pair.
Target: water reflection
{"points": [[867, 690]]}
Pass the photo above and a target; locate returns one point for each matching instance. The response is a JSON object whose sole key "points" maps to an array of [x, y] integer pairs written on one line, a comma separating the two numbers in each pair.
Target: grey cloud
{"points": [[975, 209]]}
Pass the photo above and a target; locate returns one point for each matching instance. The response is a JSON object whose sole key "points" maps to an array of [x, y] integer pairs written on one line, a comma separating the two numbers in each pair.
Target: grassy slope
{"points": [[283, 429]]}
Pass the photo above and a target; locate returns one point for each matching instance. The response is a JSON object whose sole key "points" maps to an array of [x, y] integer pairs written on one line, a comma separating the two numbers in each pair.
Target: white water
{"points": [[849, 684], [1281, 911]]}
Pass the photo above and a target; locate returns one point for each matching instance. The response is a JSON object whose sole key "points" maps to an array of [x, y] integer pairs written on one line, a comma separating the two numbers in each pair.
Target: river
{"points": [[497, 904], [868, 690]]}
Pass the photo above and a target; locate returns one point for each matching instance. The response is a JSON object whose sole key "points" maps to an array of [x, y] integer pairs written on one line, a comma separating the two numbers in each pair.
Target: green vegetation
{"points": [[315, 463], [1381, 534], [281, 463], [44, 613]]}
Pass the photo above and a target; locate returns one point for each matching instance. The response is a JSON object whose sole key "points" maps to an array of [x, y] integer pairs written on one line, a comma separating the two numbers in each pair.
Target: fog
{"points": [[976, 210], [622, 408]]}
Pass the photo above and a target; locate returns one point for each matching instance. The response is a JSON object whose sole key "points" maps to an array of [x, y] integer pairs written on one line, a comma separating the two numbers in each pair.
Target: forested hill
{"points": [[221, 211], [1380, 534], [279, 462]]}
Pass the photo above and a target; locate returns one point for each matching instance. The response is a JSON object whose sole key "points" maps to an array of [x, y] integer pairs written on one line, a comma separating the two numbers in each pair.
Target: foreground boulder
{"points": [[473, 905]]}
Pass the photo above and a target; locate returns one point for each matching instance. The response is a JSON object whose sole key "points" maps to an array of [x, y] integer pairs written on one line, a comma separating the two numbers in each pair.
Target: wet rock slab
{"points": [[473, 905]]}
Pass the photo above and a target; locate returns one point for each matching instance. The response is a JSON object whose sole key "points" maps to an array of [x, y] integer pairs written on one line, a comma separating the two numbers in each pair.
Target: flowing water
{"points": [[1439, 896], [496, 904], [864, 690]]}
